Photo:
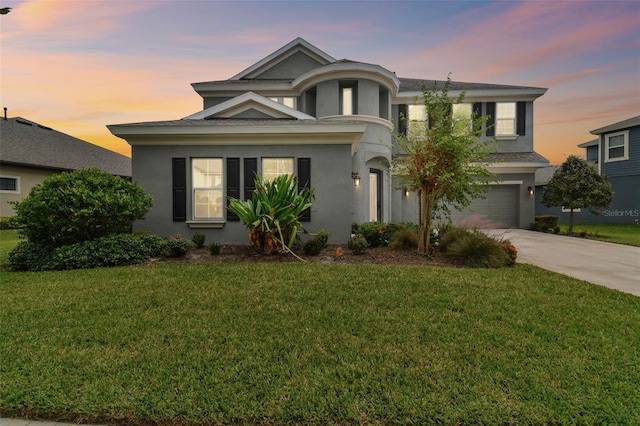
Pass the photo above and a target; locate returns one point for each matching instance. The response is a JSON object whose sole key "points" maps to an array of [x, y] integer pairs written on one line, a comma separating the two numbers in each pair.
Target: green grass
{"points": [[317, 344], [8, 240], [619, 233]]}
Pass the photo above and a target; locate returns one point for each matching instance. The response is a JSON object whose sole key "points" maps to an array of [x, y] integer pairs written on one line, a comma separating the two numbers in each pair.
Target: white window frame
{"points": [[9, 191], [625, 146], [347, 100], [282, 165], [216, 187], [288, 101], [505, 122]]}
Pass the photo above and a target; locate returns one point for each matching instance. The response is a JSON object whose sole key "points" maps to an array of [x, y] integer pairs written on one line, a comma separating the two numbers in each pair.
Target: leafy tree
{"points": [[575, 185], [442, 159], [72, 207]]}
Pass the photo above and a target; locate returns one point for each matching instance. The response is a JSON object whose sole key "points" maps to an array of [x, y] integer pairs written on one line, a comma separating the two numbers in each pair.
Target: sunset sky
{"points": [[78, 65]]}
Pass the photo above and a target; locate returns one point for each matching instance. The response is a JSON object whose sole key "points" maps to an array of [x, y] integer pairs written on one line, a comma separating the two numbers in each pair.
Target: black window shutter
{"points": [[491, 118], [476, 110], [304, 181], [233, 185], [521, 117], [250, 172], [402, 119], [179, 182]]}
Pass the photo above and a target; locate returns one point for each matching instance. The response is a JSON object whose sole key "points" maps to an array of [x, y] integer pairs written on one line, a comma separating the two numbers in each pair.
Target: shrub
{"points": [[404, 239], [198, 239], [449, 234], [178, 246], [477, 250], [545, 223], [357, 244], [214, 248], [72, 207], [378, 234], [112, 250], [8, 222], [315, 245], [510, 249], [29, 256]]}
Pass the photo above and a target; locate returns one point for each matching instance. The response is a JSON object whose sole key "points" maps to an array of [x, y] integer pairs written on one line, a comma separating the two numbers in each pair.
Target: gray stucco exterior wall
{"points": [[331, 209]]}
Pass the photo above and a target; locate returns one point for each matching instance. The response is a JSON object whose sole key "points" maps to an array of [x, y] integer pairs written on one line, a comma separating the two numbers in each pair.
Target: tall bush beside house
{"points": [[81, 219], [83, 205], [272, 215]]}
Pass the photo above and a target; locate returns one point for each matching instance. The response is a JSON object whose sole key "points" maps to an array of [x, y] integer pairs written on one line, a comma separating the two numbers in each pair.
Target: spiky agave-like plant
{"points": [[272, 215]]}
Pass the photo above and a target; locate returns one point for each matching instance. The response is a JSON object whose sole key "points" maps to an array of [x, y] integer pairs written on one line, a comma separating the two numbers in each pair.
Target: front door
{"points": [[375, 195]]}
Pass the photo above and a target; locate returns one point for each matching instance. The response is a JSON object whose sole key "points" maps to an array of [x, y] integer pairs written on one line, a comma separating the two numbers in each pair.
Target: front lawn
{"points": [[8, 240], [620, 233], [316, 344]]}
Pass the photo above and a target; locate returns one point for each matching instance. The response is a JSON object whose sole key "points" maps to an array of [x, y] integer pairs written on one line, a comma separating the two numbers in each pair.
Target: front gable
{"points": [[249, 105], [287, 63]]}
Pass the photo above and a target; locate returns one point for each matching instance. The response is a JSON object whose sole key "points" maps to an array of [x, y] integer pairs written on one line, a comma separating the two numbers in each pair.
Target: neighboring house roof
{"points": [[544, 175], [29, 144], [594, 142], [624, 124]]}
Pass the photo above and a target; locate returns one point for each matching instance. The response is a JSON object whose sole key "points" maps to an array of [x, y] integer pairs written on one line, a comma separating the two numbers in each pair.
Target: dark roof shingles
{"points": [[24, 142]]}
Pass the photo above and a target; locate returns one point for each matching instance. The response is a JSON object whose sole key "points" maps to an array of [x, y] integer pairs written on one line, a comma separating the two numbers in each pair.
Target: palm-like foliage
{"points": [[272, 215]]}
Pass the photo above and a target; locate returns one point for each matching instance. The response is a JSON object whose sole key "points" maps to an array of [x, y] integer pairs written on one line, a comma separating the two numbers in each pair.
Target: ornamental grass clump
{"points": [[272, 215]]}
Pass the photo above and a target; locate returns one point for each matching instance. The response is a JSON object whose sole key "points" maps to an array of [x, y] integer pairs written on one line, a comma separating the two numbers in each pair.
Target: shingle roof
{"points": [[624, 124], [516, 157], [26, 143], [415, 84]]}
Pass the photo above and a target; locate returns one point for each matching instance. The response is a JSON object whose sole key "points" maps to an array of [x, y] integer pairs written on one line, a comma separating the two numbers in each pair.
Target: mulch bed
{"points": [[332, 254]]}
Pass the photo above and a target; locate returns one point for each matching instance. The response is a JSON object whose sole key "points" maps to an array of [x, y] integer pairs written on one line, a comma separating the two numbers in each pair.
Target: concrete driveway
{"points": [[612, 265]]}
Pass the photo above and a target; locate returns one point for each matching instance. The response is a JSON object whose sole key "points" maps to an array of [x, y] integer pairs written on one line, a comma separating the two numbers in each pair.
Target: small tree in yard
{"points": [[575, 185], [442, 159]]}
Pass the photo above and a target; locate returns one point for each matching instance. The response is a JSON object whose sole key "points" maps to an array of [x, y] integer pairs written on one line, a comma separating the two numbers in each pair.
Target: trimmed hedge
{"points": [[113, 250]]}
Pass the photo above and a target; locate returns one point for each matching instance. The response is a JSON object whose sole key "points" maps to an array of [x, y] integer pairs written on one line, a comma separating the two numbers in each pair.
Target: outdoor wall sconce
{"points": [[531, 190], [406, 192], [356, 178]]}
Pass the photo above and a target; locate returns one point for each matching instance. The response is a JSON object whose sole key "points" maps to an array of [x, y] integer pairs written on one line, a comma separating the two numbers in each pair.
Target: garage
{"points": [[500, 207]]}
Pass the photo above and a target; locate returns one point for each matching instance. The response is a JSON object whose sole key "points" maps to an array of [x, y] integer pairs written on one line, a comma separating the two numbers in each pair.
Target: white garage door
{"points": [[500, 207]]}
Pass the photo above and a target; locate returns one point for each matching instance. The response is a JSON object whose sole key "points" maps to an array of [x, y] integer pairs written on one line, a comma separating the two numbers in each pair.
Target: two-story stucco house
{"points": [[616, 155], [328, 121]]}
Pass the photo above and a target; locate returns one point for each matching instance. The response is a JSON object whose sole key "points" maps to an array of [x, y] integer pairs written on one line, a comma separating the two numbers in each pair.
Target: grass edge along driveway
{"points": [[317, 344]]}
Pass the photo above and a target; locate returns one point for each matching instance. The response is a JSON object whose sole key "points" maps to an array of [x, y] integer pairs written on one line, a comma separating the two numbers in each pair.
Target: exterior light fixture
{"points": [[531, 190], [406, 192], [356, 178]]}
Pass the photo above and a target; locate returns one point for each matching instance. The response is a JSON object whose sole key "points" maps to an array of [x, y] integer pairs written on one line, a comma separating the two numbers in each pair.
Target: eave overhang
{"points": [[181, 133], [348, 70], [497, 95]]}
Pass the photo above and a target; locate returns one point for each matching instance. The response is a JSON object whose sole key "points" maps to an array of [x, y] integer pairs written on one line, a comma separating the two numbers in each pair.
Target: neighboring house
{"points": [[30, 153], [616, 155], [328, 121]]}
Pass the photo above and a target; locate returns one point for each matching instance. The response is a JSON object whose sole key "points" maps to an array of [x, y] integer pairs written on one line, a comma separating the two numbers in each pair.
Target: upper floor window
{"points": [[505, 118], [9, 184], [417, 121], [274, 167], [207, 188], [289, 101], [462, 116], [616, 146], [347, 101]]}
